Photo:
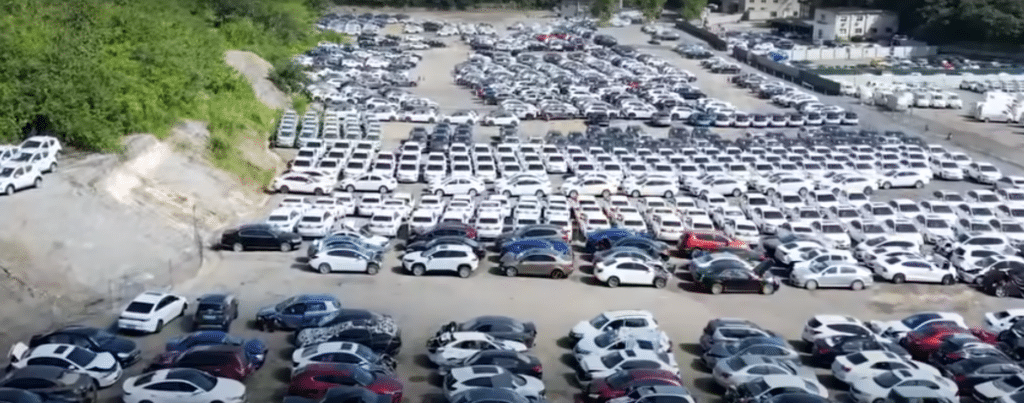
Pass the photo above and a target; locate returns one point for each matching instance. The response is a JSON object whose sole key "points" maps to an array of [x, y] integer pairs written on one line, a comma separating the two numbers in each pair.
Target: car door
{"points": [[439, 260], [829, 277], [314, 311], [916, 271], [53, 362], [292, 316], [165, 308], [847, 275]]}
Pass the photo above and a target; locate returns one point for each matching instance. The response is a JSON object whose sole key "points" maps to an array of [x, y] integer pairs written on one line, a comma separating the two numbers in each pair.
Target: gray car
{"points": [[832, 275], [656, 394], [742, 369]]}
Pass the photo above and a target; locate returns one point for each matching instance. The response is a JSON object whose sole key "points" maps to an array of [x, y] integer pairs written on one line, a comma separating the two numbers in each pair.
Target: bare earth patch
{"points": [[256, 70]]}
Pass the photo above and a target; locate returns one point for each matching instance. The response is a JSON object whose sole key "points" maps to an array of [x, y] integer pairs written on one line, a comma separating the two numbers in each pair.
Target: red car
{"points": [[313, 381], [223, 361], [709, 241], [620, 383], [922, 342]]}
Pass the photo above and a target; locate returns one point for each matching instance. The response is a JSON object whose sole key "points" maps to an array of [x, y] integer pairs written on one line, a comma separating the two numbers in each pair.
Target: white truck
{"points": [[899, 102]]}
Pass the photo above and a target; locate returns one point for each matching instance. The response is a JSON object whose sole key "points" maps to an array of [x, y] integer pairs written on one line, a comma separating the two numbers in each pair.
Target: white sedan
{"points": [[491, 376], [500, 118], [870, 390], [462, 117], [451, 348], [43, 161], [867, 364], [182, 385], [18, 178], [903, 179], [523, 185], [900, 269], [369, 183], [301, 183], [589, 186], [420, 116], [598, 366], [457, 185], [150, 311], [103, 366], [652, 186], [345, 260]]}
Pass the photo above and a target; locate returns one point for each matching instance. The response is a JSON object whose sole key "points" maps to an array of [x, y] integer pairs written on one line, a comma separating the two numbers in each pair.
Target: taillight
{"points": [[823, 350], [960, 378], [537, 369], [847, 369]]}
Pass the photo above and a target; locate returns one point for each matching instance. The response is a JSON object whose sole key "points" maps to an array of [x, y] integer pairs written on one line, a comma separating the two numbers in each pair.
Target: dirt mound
{"points": [[256, 70]]}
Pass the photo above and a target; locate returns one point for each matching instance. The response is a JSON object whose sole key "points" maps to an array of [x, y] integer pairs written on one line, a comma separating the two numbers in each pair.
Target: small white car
{"points": [[612, 320], [386, 223], [901, 269], [450, 348], [652, 186], [984, 173], [624, 339], [462, 117], [315, 223], [828, 325], [867, 364], [150, 311], [631, 271], [500, 118], [597, 366], [420, 116], [946, 170], [442, 258], [869, 390], [298, 182], [102, 366], [423, 219], [736, 371], [284, 219], [170, 385], [20, 177], [667, 227], [491, 376], [345, 260], [369, 183], [903, 179], [457, 185], [42, 161], [1002, 320], [336, 351]]}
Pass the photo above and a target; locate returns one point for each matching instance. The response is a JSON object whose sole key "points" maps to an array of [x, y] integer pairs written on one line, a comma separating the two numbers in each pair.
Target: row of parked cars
{"points": [[22, 166]]}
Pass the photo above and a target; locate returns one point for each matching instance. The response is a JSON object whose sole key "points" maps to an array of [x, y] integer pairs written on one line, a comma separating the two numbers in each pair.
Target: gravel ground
{"points": [[422, 304]]}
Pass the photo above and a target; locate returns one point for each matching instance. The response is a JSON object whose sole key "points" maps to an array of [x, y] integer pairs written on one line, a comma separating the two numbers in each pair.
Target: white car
{"points": [[337, 351], [934, 228], [597, 366], [946, 170], [462, 117], [736, 371], [299, 182], [829, 325], [19, 177], [667, 227], [284, 219], [768, 219], [462, 379], [1002, 320], [652, 186], [369, 183], [150, 311], [452, 348], [868, 364], [792, 252], [420, 116], [903, 179], [41, 144], [612, 320], [102, 366], [457, 185], [489, 225], [345, 260], [743, 230], [589, 186], [900, 269], [442, 258], [523, 185], [834, 232], [901, 228], [870, 390], [182, 385], [315, 223], [894, 330], [630, 271], [43, 161], [624, 339], [984, 173], [386, 223], [500, 118], [423, 219], [407, 172]]}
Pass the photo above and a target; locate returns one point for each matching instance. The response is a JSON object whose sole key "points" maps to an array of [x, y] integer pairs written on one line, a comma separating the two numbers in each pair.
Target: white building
{"points": [[762, 9], [846, 23]]}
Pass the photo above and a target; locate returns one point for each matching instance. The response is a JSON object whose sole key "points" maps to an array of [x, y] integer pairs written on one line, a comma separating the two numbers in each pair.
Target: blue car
{"points": [[518, 246], [298, 312], [603, 239], [256, 349]]}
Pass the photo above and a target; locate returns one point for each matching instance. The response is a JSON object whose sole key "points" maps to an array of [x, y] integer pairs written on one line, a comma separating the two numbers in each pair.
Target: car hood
{"points": [[988, 390], [583, 328], [720, 350], [591, 363], [228, 388], [119, 345]]}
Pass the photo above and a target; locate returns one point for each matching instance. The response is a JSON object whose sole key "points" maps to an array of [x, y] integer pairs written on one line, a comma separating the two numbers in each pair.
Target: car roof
{"points": [[150, 296], [627, 313]]}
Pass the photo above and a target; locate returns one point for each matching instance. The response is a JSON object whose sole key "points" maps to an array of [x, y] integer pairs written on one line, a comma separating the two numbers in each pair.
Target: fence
{"points": [[860, 53], [937, 80], [713, 40]]}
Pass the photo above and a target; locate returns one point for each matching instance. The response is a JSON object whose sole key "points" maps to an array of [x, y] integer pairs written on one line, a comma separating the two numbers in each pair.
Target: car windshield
{"points": [[611, 360], [139, 307], [311, 219], [937, 224], [599, 321], [81, 356], [772, 215], [199, 378], [986, 168], [6, 172], [277, 218], [1011, 227], [905, 228], [832, 229], [604, 339], [209, 308]]}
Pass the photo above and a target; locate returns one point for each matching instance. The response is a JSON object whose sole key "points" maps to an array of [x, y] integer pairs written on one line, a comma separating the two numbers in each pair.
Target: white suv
{"points": [[18, 178], [451, 258]]}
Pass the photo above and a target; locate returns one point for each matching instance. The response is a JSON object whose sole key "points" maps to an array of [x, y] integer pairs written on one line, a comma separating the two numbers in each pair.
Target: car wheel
{"points": [[886, 185], [613, 282], [472, 192], [573, 194], [767, 289], [558, 274], [675, 117], [948, 280], [283, 189], [868, 191], [383, 189], [857, 285], [811, 285], [737, 192], [668, 195], [660, 283], [470, 122], [372, 269], [918, 184], [318, 192], [507, 193], [53, 167], [324, 268], [238, 247], [539, 193], [717, 288], [606, 193], [418, 270], [803, 192], [511, 271], [899, 279], [465, 271], [159, 326], [636, 193], [1000, 291], [439, 193], [37, 183]]}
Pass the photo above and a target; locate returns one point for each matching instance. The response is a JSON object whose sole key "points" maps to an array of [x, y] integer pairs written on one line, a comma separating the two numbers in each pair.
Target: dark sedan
{"points": [[446, 229], [11, 395], [974, 371], [961, 347], [92, 339], [256, 349], [500, 327], [515, 362], [52, 383], [735, 279], [826, 349], [259, 236], [621, 383], [344, 394], [222, 361]]}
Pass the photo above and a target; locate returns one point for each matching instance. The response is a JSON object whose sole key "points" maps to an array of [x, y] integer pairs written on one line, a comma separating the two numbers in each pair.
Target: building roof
{"points": [[855, 10]]}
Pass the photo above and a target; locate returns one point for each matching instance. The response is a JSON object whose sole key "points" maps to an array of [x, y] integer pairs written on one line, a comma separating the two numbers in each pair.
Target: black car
{"points": [[499, 327], [1003, 282], [52, 383], [720, 351], [961, 347], [445, 229], [374, 330], [215, 311], [826, 349], [972, 372], [259, 236], [11, 395], [737, 279], [344, 394], [514, 362], [426, 244], [1011, 341], [92, 339]]}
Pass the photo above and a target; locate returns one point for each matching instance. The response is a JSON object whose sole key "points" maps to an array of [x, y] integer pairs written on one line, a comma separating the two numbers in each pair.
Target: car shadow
{"points": [[433, 398], [708, 385], [683, 275], [800, 346], [591, 280], [570, 379], [398, 270], [831, 382], [496, 270], [698, 365], [494, 258], [302, 259], [435, 379], [568, 360], [586, 269], [300, 266], [565, 342], [690, 287], [423, 360], [283, 374], [286, 353], [691, 348]]}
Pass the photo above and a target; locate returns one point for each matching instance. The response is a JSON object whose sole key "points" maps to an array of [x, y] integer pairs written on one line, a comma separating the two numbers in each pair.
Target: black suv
{"points": [[215, 311], [259, 236]]}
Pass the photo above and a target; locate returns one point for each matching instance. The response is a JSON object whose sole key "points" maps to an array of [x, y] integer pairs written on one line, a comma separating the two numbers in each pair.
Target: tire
{"points": [[737, 192], [675, 117], [767, 289], [857, 285], [716, 288], [318, 192], [558, 274], [636, 193], [439, 193], [918, 184], [660, 283], [668, 195], [431, 120], [372, 269], [948, 280], [38, 183], [53, 167], [324, 268], [613, 282], [286, 247], [283, 189], [899, 279], [9, 191], [606, 193], [507, 194], [159, 326], [886, 185], [382, 189], [868, 191], [465, 271], [511, 271], [632, 116], [803, 192], [1000, 291], [811, 285], [238, 247], [350, 188], [540, 193], [472, 192], [418, 270], [573, 194]]}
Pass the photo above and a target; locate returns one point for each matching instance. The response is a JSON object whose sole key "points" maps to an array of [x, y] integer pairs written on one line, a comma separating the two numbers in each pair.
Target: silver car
{"points": [[832, 275], [742, 369]]}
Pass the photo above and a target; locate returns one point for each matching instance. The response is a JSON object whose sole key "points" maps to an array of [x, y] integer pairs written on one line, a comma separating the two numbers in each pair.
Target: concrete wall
{"points": [[852, 53], [939, 80]]}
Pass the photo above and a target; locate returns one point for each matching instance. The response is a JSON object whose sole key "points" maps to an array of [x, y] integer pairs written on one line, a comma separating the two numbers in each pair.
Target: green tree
{"points": [[602, 9], [651, 8], [692, 9]]}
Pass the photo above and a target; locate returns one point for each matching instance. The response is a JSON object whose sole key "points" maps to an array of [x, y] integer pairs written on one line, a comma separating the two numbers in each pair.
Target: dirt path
{"points": [[256, 70]]}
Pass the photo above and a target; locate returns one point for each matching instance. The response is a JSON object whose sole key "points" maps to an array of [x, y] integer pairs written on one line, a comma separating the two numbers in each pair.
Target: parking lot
{"points": [[422, 304]]}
